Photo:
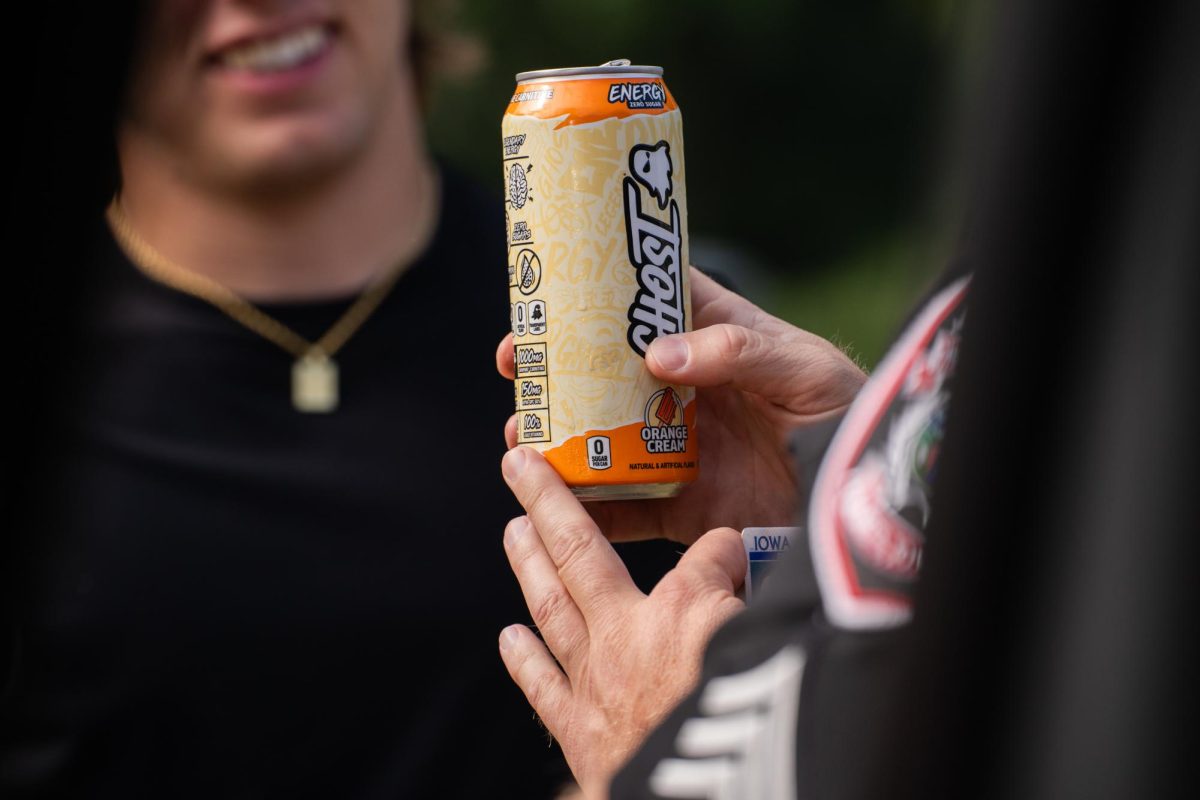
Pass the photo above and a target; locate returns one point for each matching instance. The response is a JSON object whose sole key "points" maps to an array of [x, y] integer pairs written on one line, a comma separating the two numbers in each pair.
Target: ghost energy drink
{"points": [[596, 218]]}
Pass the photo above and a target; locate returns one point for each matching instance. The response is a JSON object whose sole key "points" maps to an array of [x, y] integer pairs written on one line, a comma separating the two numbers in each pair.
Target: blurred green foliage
{"points": [[813, 128], [859, 302]]}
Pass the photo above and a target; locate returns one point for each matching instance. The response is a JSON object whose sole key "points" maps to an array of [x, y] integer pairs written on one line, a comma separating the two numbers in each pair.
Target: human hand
{"points": [[758, 378], [624, 659]]}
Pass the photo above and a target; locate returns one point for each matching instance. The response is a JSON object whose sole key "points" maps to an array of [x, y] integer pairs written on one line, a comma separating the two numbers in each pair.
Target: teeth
{"points": [[282, 52]]}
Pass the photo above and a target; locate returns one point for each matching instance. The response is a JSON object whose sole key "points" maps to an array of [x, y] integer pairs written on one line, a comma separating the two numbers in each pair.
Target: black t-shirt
{"points": [[234, 599]]}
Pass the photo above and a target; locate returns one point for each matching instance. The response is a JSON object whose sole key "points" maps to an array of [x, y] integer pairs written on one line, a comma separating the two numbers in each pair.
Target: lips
{"points": [[276, 53]]}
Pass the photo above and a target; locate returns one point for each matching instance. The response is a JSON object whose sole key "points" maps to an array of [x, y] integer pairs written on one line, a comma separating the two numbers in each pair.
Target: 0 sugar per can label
{"points": [[596, 218]]}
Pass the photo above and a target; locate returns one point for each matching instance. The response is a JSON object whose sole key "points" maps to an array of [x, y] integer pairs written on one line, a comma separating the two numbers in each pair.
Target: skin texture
{"points": [[614, 660], [611, 661], [305, 187], [758, 379]]}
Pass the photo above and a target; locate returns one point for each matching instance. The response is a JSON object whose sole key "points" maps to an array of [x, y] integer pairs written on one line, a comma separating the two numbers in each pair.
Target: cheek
{"points": [[153, 98], [385, 26]]}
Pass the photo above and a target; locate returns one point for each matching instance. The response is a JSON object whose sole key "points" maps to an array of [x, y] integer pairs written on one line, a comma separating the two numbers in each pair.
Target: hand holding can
{"points": [[758, 380]]}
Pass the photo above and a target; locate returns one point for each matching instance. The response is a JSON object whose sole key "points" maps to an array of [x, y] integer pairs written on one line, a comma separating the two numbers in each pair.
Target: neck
{"points": [[327, 239]]}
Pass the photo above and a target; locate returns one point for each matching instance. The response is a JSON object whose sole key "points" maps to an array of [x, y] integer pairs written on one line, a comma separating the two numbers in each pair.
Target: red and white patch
{"points": [[883, 539], [862, 548]]}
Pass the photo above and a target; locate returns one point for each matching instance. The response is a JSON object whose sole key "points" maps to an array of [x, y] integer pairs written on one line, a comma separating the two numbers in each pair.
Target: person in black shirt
{"points": [[271, 491]]}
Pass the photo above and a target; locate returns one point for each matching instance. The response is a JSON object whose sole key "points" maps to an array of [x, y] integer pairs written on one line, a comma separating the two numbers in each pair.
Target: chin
{"points": [[288, 157]]}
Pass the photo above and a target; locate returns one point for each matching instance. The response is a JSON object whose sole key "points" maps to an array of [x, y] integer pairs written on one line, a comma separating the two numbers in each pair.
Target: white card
{"points": [[763, 547]]}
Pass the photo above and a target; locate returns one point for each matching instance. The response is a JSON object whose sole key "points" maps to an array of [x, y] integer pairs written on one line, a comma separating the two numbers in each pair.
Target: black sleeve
{"points": [[786, 701], [792, 689]]}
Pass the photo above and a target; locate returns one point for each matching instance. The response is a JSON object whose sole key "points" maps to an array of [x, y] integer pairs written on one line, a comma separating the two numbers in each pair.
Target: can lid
{"points": [[618, 66]]}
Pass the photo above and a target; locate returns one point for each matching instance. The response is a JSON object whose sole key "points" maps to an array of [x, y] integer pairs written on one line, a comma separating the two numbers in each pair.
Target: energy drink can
{"points": [[596, 218]]}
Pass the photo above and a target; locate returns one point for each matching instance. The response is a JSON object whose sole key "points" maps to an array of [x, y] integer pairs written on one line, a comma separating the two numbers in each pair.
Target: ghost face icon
{"points": [[651, 167]]}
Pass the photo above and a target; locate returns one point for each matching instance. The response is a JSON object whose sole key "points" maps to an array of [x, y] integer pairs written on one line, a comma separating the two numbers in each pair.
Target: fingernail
{"points": [[508, 637], [515, 529], [514, 463], [670, 352]]}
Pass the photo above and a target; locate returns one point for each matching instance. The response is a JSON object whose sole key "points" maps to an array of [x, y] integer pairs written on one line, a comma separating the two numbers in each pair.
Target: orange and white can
{"points": [[596, 218]]}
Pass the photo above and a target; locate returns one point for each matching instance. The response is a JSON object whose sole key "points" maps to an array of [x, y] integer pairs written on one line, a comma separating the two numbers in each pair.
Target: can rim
{"points": [[620, 66]]}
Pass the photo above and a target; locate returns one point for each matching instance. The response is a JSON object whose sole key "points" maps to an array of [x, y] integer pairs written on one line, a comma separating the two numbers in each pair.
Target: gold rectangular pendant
{"points": [[315, 384]]}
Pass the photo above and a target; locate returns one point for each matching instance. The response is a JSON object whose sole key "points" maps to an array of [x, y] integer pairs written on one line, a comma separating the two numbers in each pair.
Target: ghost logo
{"points": [[651, 167], [655, 249]]}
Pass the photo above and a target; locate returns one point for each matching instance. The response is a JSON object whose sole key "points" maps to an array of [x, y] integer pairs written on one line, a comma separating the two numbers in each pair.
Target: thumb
{"points": [[793, 368], [717, 558]]}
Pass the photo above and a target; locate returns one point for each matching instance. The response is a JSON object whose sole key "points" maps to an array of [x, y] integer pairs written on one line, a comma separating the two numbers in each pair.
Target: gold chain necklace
{"points": [[315, 373]]}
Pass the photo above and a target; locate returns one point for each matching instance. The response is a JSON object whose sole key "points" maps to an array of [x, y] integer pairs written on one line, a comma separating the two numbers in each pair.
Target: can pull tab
{"points": [[617, 62]]}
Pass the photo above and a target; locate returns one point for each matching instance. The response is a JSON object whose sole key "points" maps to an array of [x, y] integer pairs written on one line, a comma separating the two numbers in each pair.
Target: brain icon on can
{"points": [[518, 186]]}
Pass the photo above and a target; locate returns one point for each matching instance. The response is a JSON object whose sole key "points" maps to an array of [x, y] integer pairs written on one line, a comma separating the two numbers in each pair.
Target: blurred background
{"points": [[818, 134]]}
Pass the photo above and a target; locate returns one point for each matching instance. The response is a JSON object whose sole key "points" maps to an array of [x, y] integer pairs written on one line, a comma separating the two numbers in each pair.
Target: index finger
{"points": [[712, 303], [590, 569]]}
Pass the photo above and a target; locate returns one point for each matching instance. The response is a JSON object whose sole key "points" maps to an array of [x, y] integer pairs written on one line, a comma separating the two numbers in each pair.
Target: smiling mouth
{"points": [[277, 53]]}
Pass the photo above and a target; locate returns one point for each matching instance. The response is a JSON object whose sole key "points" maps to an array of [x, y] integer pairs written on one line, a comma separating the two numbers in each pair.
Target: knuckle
{"points": [[731, 340], [677, 589], [572, 643], [541, 692], [550, 606], [728, 607], [573, 540]]}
